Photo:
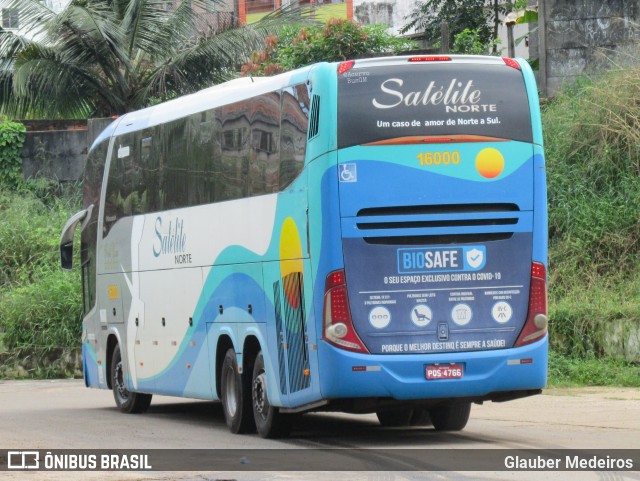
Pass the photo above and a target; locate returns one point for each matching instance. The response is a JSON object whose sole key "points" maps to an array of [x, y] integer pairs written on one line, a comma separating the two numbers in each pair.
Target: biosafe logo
{"points": [[441, 259], [171, 240]]}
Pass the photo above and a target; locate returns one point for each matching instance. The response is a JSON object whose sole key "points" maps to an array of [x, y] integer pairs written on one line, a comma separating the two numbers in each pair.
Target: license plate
{"points": [[443, 371]]}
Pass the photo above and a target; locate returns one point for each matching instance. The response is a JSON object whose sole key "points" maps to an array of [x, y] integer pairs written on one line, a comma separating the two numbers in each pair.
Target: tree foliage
{"points": [[469, 42], [479, 16], [11, 142], [460, 15], [337, 40], [108, 57]]}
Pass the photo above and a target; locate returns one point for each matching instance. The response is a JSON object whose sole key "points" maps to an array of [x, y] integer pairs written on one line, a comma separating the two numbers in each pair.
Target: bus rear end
{"points": [[443, 217]]}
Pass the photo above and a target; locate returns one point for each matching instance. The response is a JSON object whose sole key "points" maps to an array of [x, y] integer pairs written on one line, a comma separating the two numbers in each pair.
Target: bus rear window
{"points": [[382, 103]]}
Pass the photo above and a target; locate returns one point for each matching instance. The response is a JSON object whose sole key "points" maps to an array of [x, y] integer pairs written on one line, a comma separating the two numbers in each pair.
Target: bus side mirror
{"points": [[66, 238], [66, 255]]}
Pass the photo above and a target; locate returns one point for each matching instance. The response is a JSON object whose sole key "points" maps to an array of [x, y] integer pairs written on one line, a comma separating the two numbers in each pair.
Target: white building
{"points": [[57, 5], [11, 16]]}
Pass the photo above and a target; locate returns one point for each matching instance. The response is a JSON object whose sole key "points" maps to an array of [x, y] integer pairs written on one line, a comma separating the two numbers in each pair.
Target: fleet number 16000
{"points": [[437, 158]]}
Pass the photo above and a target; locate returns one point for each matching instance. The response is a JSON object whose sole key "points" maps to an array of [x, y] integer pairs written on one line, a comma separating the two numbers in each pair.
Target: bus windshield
{"points": [[380, 103]]}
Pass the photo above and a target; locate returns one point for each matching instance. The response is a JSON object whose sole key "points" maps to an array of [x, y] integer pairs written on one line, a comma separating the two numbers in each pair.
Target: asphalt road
{"points": [[66, 415]]}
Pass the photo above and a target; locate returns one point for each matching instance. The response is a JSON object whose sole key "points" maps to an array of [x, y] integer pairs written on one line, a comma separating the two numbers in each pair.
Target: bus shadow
{"points": [[339, 430], [321, 429], [194, 412]]}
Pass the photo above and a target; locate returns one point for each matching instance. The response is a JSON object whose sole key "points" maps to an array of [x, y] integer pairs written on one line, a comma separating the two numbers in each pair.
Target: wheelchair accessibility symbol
{"points": [[348, 173]]}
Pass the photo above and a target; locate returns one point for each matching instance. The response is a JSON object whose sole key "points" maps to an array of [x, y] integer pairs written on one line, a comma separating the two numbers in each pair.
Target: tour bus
{"points": [[367, 236]]}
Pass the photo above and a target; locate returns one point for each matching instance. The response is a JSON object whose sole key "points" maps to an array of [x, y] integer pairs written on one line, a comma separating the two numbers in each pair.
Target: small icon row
{"points": [[421, 314]]}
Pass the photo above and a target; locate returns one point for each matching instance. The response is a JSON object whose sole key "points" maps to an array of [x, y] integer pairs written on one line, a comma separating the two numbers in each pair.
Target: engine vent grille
{"points": [[437, 224], [314, 122], [437, 209]]}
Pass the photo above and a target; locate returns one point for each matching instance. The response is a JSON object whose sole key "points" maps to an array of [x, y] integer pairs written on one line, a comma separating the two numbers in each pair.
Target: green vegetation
{"points": [[459, 15], [11, 142], [473, 24], [569, 371], [40, 305], [336, 40], [98, 58], [469, 42], [592, 146]]}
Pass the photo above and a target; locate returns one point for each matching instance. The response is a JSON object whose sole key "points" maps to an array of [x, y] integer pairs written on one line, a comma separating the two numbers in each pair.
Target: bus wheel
{"points": [[395, 417], [128, 402], [270, 422], [450, 417], [235, 396]]}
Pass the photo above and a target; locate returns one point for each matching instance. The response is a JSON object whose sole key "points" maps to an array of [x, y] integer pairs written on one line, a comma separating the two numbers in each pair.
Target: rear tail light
{"points": [[431, 58], [537, 322], [338, 328], [511, 63], [345, 66]]}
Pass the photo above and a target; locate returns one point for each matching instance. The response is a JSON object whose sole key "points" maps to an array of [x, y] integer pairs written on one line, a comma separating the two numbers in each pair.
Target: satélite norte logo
{"points": [[441, 259], [456, 96], [173, 241]]}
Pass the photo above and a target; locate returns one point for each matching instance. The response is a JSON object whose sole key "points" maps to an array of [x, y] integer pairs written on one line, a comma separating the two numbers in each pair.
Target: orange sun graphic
{"points": [[290, 257], [490, 163]]}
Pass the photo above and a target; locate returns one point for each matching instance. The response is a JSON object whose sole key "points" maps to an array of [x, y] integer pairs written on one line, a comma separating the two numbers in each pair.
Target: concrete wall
{"points": [[621, 338], [583, 36], [57, 149], [389, 12]]}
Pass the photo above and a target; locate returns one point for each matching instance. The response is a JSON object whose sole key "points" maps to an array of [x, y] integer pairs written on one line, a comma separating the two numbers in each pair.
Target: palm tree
{"points": [[108, 57]]}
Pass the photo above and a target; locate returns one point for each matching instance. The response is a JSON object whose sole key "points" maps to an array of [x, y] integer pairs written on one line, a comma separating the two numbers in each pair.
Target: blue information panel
{"points": [[440, 298]]}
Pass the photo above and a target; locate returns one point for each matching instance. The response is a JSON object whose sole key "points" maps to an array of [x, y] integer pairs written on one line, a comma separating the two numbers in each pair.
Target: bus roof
{"points": [[429, 58], [209, 98], [247, 87]]}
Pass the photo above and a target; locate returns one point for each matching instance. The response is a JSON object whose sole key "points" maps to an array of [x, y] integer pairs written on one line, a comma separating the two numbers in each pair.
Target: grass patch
{"points": [[568, 371], [32, 218], [600, 319], [40, 304], [43, 314], [592, 147]]}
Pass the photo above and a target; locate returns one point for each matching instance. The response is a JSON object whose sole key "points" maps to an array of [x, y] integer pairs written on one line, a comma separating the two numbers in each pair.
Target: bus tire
{"points": [[235, 396], [394, 418], [128, 402], [270, 422], [450, 417]]}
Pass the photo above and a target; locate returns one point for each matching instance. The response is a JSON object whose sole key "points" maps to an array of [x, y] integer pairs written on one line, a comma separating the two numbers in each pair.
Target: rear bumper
{"points": [[346, 374]]}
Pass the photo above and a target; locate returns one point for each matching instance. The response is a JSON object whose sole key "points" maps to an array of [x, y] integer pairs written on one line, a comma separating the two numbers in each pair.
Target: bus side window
{"points": [[93, 174], [234, 161], [126, 191], [123, 197], [265, 139], [175, 182], [293, 134], [215, 160], [200, 155], [150, 141]]}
